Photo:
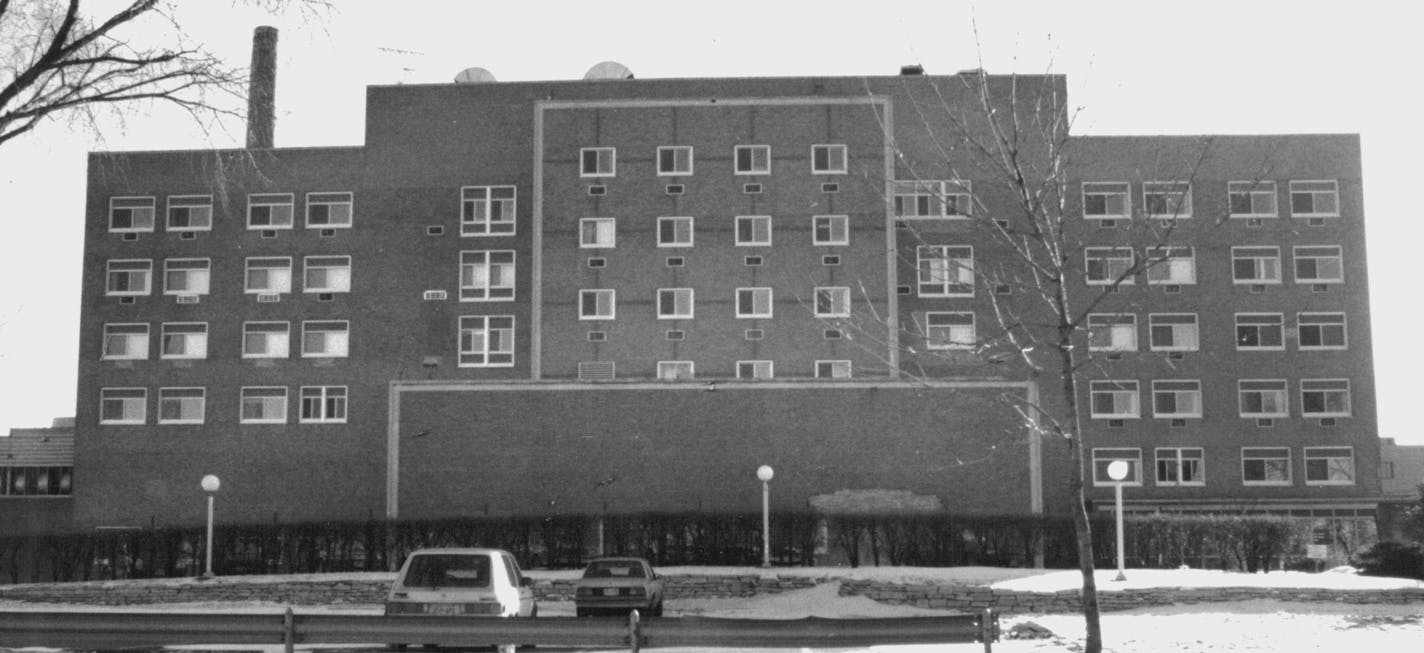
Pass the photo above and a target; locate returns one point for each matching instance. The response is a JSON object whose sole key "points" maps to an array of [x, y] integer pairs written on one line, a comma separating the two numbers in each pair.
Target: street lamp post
{"points": [[210, 485], [764, 473], [1117, 471]]}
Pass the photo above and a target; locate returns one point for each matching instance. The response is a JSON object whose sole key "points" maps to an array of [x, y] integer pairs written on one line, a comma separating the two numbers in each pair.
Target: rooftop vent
{"points": [[474, 76], [912, 69], [608, 70]]}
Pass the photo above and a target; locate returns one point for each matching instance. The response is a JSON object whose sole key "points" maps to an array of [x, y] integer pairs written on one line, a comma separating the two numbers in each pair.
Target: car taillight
{"points": [[635, 591]]}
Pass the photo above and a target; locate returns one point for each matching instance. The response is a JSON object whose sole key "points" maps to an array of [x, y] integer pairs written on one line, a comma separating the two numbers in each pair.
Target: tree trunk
{"points": [[1082, 527]]}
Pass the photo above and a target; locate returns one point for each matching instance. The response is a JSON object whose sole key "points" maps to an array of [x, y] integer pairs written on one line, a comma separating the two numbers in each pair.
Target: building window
{"points": [[675, 303], [828, 159], [123, 405], [753, 230], [269, 211], [752, 159], [185, 276], [598, 162], [130, 214], [597, 304], [833, 369], [1167, 199], [1253, 265], [1315, 199], [1171, 265], [1106, 266], [1321, 331], [181, 405], [487, 276], [1176, 399], [754, 303], [1112, 332], [1252, 199], [830, 230], [326, 339], [597, 233], [487, 341], [323, 404], [1260, 331], [675, 160], [190, 212], [17, 481], [1104, 457], [487, 210], [184, 340], [267, 276], [1114, 399], [945, 271], [264, 405], [946, 330], [832, 302], [1329, 466], [755, 370], [1262, 398], [1325, 397], [1106, 200], [1180, 466], [1265, 466], [125, 342], [1173, 331], [674, 232], [326, 274], [328, 210], [932, 199], [128, 277], [266, 339], [1319, 265]]}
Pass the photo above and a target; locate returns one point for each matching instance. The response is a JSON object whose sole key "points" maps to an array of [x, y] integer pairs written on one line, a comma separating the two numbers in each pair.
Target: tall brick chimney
{"points": [[262, 88]]}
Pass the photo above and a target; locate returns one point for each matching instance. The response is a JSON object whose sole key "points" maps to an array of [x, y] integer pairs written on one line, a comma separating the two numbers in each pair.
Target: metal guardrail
{"points": [[110, 630]]}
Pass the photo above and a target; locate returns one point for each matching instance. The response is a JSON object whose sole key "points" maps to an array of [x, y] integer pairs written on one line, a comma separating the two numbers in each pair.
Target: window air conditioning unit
{"points": [[1265, 423], [1254, 222], [433, 295], [187, 299], [268, 298], [1327, 421]]}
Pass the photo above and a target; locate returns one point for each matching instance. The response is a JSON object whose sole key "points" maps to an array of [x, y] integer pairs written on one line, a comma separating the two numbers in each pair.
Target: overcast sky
{"points": [[1133, 67]]}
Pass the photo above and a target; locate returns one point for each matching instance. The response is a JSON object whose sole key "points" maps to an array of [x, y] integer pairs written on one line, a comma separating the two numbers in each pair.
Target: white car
{"points": [[462, 582]]}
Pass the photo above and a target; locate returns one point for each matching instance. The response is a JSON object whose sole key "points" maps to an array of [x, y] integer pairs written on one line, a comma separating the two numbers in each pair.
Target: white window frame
{"points": [[1322, 323], [833, 369], [1320, 256], [128, 398], [326, 263], [932, 199], [1104, 456], [1281, 456], [271, 335], [836, 228], [676, 370], [1175, 198], [683, 303], [604, 304], [487, 341], [326, 338], [832, 301], [835, 156], [598, 233], [681, 161], [679, 223], [946, 330], [488, 210], [1179, 460], [758, 162], [133, 335], [1275, 387], [263, 396], [1325, 388], [329, 400], [195, 272], [1107, 190], [1315, 188], [193, 335], [944, 270], [604, 161], [140, 214], [1126, 398], [1261, 323], [1112, 264], [186, 398], [1260, 195], [277, 269], [488, 275], [1264, 261], [760, 300], [200, 206], [1120, 329], [279, 209], [1173, 265], [756, 370], [1178, 328], [1338, 462], [338, 203], [753, 224], [127, 268], [1177, 389]]}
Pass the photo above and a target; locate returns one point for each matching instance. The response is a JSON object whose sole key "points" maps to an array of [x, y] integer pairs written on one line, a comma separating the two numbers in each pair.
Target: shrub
{"points": [[1397, 559]]}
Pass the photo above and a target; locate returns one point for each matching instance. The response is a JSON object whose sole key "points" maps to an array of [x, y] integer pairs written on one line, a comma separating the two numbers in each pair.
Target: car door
{"points": [[526, 593]]}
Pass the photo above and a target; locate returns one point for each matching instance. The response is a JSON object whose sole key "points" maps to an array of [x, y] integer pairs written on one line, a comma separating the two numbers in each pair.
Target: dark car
{"points": [[618, 585]]}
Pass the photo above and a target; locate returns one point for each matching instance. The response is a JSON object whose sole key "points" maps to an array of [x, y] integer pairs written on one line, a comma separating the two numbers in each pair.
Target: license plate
{"points": [[443, 608], [610, 591]]}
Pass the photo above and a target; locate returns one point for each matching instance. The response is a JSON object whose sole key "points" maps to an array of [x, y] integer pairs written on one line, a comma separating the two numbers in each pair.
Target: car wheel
{"points": [[657, 610], [395, 647]]}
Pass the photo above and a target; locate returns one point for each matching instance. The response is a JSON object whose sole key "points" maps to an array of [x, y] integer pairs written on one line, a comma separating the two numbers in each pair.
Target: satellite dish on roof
{"points": [[608, 70], [474, 76]]}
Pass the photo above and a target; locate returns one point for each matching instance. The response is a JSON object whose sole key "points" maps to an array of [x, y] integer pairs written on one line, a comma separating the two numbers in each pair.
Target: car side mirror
{"points": [[525, 581]]}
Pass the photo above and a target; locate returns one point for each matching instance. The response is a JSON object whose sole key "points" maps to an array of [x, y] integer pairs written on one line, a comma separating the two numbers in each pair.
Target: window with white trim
{"points": [[1177, 399], [1315, 199], [753, 230], [830, 230], [268, 275], [1106, 200], [674, 160], [326, 339], [752, 159], [266, 339], [185, 276], [1173, 331], [945, 270], [1265, 466], [180, 340], [263, 405], [130, 214], [487, 276], [1103, 457], [128, 277], [832, 301], [328, 210], [598, 233], [1112, 332], [937, 198], [1262, 398], [1325, 398], [1260, 332], [1319, 264], [1105, 266], [675, 370], [1171, 266], [597, 304], [125, 342], [323, 404], [269, 210], [598, 161], [1253, 265], [1329, 466], [487, 341], [828, 159], [950, 330], [487, 210], [675, 303], [1321, 331], [1251, 199], [754, 303], [755, 370], [833, 369], [1167, 199], [326, 274], [181, 405], [1180, 466], [190, 213], [123, 405], [1114, 399], [675, 232]]}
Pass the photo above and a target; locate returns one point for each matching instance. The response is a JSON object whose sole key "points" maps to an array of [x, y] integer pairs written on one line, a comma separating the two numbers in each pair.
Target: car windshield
{"points": [[614, 569], [442, 570]]}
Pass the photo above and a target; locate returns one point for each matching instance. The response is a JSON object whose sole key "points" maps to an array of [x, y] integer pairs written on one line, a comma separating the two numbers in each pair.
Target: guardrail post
{"points": [[289, 630], [635, 631], [988, 629]]}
